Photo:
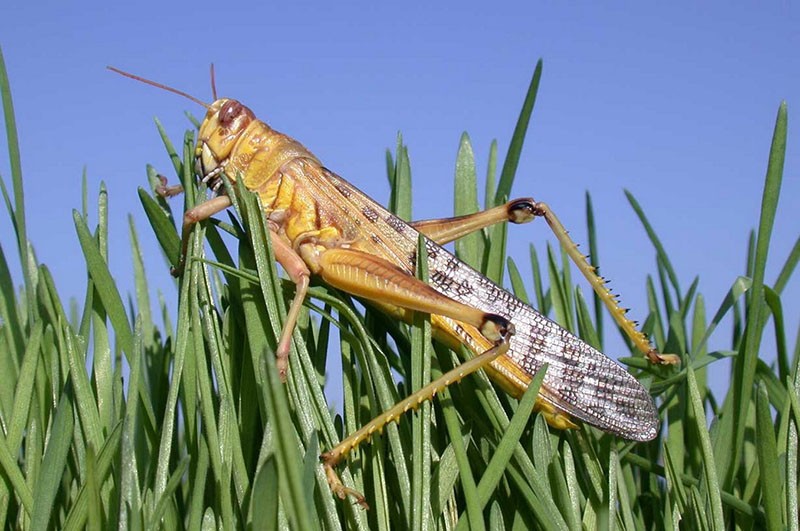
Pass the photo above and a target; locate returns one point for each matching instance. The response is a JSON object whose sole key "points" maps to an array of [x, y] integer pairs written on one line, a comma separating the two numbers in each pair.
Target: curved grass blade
{"points": [[14, 159], [654, 239], [104, 282]]}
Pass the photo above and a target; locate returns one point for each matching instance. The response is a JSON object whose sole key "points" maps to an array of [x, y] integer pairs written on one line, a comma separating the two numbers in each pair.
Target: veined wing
{"points": [[580, 380]]}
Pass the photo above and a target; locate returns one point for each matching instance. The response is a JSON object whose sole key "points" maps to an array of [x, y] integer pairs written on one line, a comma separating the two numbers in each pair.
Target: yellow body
{"points": [[275, 166], [317, 214]]}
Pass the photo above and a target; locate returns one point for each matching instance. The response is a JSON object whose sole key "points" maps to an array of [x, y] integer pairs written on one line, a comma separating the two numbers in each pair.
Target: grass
{"points": [[116, 417]]}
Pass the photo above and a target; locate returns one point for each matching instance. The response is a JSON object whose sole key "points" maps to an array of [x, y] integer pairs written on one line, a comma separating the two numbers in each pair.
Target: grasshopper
{"points": [[320, 224]]}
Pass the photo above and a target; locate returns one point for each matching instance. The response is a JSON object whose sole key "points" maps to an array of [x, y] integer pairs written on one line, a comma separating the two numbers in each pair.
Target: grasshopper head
{"points": [[224, 123]]}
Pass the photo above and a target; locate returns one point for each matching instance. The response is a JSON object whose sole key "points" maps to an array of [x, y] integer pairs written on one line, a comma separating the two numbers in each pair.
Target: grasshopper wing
{"points": [[580, 381]]}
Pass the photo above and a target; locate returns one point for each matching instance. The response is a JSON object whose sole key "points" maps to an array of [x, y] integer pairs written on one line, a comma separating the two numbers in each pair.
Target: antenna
{"points": [[213, 83], [165, 87]]}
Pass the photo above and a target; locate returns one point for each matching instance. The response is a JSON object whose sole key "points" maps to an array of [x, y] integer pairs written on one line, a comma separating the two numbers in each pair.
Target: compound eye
{"points": [[229, 111]]}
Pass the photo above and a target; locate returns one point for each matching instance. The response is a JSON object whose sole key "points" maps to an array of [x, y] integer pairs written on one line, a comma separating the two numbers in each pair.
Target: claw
{"points": [[338, 488], [165, 190], [282, 359], [663, 359]]}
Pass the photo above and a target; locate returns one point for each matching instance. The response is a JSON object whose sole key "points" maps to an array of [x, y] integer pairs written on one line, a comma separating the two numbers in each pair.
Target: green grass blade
{"points": [[773, 301], [54, 462], [611, 489], [389, 167], [177, 164], [162, 226], [491, 176], [543, 301], [518, 139], [712, 485], [495, 252], [107, 457], [24, 389], [654, 325], [739, 287], [654, 239], [573, 495], [196, 375], [264, 502], [745, 363], [9, 304], [493, 259], [167, 428], [199, 475], [104, 282], [95, 510], [594, 259], [566, 285], [771, 480], [468, 484], [445, 474], [84, 399], [558, 293], [129, 494], [14, 159], [286, 453], [400, 198], [161, 513], [586, 329], [517, 285], [510, 441], [15, 476], [421, 424], [793, 455], [469, 248], [788, 267]]}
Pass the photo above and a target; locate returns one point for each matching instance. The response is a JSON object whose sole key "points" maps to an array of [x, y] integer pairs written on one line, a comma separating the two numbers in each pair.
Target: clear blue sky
{"points": [[675, 103]]}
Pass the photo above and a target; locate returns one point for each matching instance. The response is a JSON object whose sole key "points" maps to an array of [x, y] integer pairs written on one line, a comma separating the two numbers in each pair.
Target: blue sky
{"points": [[675, 103]]}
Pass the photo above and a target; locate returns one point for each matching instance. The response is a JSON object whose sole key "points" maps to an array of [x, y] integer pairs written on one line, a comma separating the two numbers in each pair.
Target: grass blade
{"points": [[104, 282], [54, 462], [470, 248], [712, 485], [767, 449], [745, 363], [421, 429], [14, 159], [654, 239], [518, 139]]}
